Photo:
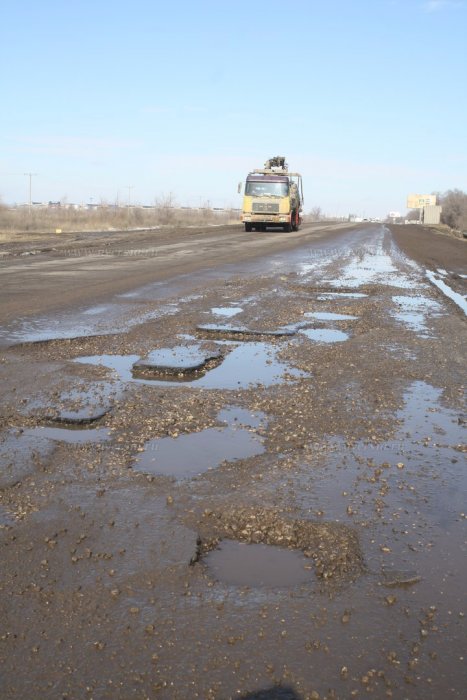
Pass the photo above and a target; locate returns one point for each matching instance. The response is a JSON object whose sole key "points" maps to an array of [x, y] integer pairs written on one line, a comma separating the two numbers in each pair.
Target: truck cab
{"points": [[272, 197]]}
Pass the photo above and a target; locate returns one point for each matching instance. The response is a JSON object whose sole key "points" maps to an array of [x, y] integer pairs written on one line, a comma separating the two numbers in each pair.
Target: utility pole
{"points": [[30, 176]]}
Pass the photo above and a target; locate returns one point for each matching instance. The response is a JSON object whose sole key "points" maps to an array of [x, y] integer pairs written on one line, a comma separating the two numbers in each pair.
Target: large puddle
{"points": [[258, 565], [246, 365], [188, 455]]}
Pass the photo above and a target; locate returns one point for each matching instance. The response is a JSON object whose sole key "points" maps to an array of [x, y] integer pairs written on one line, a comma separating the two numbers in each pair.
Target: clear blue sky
{"points": [[367, 99]]}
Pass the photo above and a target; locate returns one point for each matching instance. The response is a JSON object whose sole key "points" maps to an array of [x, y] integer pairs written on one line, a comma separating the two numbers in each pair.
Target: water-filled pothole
{"points": [[329, 316], [226, 311], [258, 565], [324, 335], [228, 331], [327, 296], [68, 435], [195, 453], [246, 365]]}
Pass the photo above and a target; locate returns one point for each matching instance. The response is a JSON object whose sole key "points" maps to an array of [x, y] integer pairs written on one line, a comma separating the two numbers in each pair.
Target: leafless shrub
{"points": [[454, 212], [107, 217]]}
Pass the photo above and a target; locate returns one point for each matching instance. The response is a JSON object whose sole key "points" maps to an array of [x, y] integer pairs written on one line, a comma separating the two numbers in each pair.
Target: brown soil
{"points": [[104, 592]]}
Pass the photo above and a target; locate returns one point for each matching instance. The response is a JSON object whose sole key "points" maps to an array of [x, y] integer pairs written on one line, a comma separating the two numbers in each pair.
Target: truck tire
{"points": [[288, 228], [247, 228], [295, 221]]}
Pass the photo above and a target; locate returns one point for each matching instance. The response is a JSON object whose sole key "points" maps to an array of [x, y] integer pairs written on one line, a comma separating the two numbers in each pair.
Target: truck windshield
{"points": [[267, 189]]}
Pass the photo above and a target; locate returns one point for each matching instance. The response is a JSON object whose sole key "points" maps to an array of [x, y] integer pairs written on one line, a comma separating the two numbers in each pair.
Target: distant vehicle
{"points": [[273, 196]]}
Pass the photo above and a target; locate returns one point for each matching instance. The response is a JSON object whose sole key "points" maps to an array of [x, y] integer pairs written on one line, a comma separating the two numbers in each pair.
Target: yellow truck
{"points": [[273, 196]]}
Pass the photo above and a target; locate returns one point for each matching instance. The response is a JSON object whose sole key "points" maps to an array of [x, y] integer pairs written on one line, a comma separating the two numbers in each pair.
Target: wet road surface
{"points": [[286, 513]]}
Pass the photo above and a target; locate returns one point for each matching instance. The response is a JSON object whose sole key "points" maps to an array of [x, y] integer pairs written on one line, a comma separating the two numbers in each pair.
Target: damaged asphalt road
{"points": [[238, 473]]}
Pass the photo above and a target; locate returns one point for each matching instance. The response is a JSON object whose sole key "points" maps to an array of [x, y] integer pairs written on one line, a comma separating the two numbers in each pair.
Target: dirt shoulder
{"points": [[431, 248]]}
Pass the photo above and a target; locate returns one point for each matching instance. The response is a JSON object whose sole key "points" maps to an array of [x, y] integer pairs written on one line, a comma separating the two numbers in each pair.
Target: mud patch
{"points": [[333, 547], [83, 406], [258, 565], [241, 332], [20, 456]]}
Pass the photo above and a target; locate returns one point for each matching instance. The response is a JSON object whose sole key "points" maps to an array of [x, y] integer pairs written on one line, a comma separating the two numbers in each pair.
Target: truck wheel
{"points": [[248, 228], [295, 221], [288, 228]]}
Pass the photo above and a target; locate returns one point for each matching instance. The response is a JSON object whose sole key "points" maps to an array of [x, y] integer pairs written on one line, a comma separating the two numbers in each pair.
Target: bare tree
{"points": [[454, 213], [316, 214]]}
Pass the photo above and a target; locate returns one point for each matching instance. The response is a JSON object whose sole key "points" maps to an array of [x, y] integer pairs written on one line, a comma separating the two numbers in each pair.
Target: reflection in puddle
{"points": [[188, 455], [325, 335], [341, 295], [68, 434], [247, 364], [457, 298], [227, 311], [258, 565], [328, 316], [413, 311]]}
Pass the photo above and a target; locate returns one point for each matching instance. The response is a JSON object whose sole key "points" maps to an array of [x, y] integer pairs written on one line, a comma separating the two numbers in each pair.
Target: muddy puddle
{"points": [[226, 311], [258, 565], [414, 311], [191, 454], [329, 316], [244, 365], [73, 436], [324, 335], [416, 481], [336, 296], [457, 298]]}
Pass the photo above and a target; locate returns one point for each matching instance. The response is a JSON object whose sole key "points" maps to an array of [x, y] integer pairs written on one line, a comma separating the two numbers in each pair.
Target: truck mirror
{"points": [[239, 187]]}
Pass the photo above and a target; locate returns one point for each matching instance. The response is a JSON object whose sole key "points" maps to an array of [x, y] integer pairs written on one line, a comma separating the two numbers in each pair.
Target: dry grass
{"points": [[48, 220]]}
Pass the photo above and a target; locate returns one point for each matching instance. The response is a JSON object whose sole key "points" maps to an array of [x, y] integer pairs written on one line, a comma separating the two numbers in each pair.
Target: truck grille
{"points": [[265, 207]]}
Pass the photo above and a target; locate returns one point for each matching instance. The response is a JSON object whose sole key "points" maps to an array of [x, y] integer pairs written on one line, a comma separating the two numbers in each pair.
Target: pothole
{"points": [[327, 296], [244, 365], [68, 435], [83, 406], [329, 316], [188, 455], [332, 548], [229, 331], [226, 311], [324, 335], [258, 565]]}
